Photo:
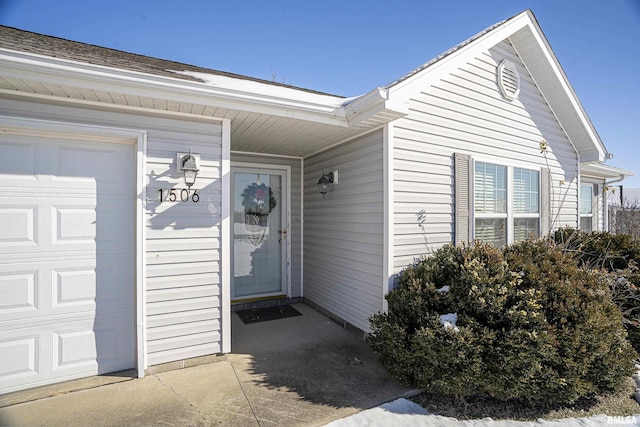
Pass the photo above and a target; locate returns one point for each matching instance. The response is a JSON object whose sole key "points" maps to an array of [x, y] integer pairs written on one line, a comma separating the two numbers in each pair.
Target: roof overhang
{"points": [[526, 36], [602, 171], [266, 118]]}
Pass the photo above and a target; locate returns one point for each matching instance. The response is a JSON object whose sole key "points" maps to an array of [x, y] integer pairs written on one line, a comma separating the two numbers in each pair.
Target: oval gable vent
{"points": [[508, 80]]}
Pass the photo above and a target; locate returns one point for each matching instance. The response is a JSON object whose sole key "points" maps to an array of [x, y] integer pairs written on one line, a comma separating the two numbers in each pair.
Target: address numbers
{"points": [[179, 195]]}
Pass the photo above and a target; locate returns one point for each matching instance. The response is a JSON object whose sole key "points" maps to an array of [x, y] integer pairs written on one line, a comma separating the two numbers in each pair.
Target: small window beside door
{"points": [[586, 207]]}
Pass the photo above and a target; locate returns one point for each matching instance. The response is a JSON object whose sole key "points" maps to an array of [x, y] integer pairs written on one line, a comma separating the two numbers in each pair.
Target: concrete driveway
{"points": [[303, 370]]}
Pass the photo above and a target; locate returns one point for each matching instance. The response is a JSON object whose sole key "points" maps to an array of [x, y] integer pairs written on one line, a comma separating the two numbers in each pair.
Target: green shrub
{"points": [[618, 255], [531, 325]]}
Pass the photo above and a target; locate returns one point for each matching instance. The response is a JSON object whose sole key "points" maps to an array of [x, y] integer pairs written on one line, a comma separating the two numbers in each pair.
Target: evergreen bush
{"points": [[619, 256], [524, 322]]}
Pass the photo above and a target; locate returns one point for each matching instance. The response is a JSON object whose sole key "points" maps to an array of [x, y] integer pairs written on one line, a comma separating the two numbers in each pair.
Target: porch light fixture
{"points": [[325, 180], [189, 166]]}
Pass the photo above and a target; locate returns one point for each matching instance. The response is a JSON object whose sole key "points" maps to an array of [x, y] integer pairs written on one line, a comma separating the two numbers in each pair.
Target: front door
{"points": [[259, 233]]}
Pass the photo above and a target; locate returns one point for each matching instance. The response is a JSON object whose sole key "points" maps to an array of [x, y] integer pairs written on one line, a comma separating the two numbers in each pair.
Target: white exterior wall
{"points": [[294, 233], [182, 278], [465, 112], [343, 234], [184, 298]]}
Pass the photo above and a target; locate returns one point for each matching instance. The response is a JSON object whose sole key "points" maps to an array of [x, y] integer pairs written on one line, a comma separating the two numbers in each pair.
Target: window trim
{"points": [[594, 205], [510, 215]]}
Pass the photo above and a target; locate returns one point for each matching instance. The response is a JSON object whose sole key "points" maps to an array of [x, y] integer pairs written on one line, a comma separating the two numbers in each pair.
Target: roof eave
{"points": [[586, 142], [373, 108], [603, 171], [297, 104]]}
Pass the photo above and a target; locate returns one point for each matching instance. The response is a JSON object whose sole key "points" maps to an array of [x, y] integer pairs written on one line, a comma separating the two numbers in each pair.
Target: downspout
{"points": [[578, 191]]}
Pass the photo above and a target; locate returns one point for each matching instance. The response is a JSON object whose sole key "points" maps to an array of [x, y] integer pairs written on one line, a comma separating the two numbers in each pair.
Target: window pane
{"points": [[586, 223], [524, 228], [494, 231], [586, 199], [490, 182], [525, 191]]}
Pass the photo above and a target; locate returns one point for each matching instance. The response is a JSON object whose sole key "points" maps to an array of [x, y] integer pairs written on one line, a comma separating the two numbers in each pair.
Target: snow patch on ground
{"points": [[636, 378], [405, 413]]}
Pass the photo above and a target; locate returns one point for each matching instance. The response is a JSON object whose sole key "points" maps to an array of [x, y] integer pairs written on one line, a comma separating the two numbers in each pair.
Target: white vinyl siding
{"points": [[183, 248], [343, 233], [294, 234], [183, 240], [466, 113]]}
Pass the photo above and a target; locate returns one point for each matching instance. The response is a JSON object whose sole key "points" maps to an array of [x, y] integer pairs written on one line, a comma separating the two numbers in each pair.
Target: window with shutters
{"points": [[506, 203]]}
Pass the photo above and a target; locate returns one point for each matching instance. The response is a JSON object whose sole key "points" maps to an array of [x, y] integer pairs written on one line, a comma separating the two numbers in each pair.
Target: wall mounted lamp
{"points": [[325, 180], [188, 165]]}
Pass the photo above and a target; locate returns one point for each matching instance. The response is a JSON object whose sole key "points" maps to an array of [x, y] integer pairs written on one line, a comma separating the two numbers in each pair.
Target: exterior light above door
{"points": [[188, 165], [325, 180]]}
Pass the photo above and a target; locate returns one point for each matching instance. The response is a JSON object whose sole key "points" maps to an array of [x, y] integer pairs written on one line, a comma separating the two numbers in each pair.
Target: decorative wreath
{"points": [[258, 198]]}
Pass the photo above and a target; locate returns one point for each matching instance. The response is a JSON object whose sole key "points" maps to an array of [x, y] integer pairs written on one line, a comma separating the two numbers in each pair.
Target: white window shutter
{"points": [[545, 202], [463, 188]]}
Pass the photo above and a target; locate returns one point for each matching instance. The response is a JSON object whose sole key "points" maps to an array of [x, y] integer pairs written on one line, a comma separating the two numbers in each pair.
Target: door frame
{"points": [[285, 170]]}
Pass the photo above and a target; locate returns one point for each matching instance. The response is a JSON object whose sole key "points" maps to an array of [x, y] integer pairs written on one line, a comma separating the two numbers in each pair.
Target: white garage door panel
{"points": [[67, 259], [36, 289], [19, 357], [50, 353]]}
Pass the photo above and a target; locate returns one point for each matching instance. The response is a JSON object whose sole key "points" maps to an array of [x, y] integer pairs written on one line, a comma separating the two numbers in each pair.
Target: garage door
{"points": [[66, 259]]}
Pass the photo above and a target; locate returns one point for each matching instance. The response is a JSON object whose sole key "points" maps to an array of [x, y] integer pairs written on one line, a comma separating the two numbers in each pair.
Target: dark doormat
{"points": [[266, 314]]}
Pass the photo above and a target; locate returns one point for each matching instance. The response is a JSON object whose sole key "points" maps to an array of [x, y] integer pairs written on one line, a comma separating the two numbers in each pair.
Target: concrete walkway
{"points": [[303, 370]]}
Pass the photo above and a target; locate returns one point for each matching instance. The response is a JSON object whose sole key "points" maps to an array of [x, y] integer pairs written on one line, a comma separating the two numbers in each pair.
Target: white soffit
{"points": [[265, 118], [601, 170]]}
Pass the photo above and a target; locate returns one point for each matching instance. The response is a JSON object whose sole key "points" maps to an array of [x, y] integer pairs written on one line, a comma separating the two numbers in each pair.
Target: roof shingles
{"points": [[29, 42]]}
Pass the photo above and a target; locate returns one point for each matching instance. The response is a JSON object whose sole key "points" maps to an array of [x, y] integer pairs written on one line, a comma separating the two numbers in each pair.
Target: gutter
{"points": [[373, 106], [66, 73]]}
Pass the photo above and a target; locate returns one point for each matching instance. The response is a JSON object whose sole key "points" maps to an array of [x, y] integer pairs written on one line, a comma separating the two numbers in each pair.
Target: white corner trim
{"points": [[302, 228], [388, 229], [141, 256], [225, 215]]}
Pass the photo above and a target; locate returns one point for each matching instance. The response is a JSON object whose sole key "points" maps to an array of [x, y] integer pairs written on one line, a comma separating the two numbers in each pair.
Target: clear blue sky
{"points": [[349, 47]]}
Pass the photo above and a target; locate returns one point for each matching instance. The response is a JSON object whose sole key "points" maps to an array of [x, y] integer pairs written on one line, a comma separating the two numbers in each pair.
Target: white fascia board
{"points": [[402, 91], [405, 89], [552, 59], [603, 171], [594, 156], [372, 103], [297, 104]]}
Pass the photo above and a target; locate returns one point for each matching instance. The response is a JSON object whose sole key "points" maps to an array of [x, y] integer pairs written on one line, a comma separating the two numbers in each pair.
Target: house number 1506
{"points": [[179, 195]]}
